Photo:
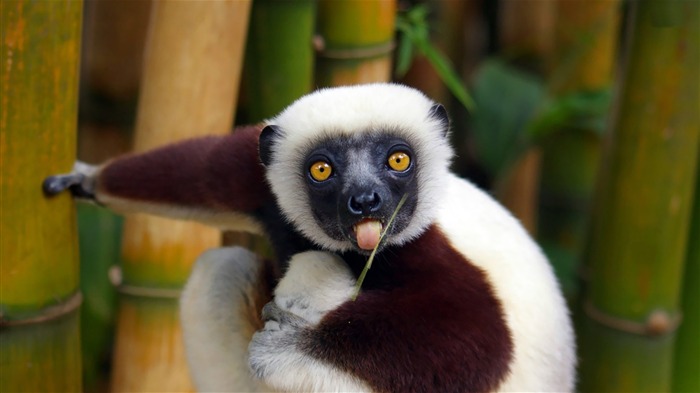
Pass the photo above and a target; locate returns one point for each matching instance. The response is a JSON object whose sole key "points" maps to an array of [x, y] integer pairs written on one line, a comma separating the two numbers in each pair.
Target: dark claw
{"points": [[56, 184], [271, 312]]}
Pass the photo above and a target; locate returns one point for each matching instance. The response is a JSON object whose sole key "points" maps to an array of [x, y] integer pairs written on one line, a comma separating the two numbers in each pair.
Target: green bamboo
{"points": [[686, 377], [354, 42], [39, 333], [586, 36], [99, 232], [639, 228], [279, 62]]}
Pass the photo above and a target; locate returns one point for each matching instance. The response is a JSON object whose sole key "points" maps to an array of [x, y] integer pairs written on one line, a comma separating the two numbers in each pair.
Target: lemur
{"points": [[459, 297]]}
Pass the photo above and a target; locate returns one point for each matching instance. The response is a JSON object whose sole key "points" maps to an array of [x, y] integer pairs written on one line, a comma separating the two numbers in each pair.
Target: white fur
{"points": [[536, 313], [346, 111], [315, 283], [215, 309], [225, 220]]}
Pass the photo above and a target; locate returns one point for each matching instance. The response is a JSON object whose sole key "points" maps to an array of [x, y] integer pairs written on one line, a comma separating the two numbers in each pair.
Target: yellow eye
{"points": [[320, 170], [399, 161]]}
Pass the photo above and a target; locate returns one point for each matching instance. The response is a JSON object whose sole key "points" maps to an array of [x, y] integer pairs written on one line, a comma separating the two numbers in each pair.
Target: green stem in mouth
{"points": [[368, 265]]}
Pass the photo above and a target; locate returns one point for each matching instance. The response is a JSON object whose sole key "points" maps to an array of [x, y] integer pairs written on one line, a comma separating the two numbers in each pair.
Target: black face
{"points": [[358, 178]]}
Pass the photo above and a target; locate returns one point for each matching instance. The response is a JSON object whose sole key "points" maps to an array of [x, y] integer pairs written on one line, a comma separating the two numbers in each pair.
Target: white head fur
{"points": [[358, 109]]}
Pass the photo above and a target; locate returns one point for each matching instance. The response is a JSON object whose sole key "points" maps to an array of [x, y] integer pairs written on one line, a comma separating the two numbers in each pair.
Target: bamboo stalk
{"points": [[149, 337], [518, 188], [279, 29], [113, 47], [39, 333], [586, 36], [99, 233], [526, 30], [685, 368], [639, 230], [189, 88], [355, 41]]}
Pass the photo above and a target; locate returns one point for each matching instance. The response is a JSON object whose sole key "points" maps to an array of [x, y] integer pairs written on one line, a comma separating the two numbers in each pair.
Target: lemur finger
{"points": [[80, 182], [273, 313], [270, 312], [53, 185]]}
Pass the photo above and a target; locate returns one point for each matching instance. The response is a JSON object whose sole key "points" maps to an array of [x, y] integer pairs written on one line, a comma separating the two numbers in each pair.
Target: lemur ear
{"points": [[438, 112], [267, 139]]}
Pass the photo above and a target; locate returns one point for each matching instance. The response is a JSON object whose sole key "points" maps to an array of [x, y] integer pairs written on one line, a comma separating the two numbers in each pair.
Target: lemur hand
{"points": [[80, 181], [315, 284]]}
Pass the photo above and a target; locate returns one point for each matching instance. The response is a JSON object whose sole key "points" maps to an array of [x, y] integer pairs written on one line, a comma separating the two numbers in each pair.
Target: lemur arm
{"points": [[217, 180]]}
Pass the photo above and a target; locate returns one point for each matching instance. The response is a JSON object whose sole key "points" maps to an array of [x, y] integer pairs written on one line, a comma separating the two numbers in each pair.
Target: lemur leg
{"points": [[220, 311], [315, 283], [217, 180]]}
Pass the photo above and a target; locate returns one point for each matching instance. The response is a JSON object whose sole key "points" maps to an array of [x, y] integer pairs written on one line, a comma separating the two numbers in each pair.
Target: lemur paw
{"points": [[80, 181], [276, 341], [315, 284]]}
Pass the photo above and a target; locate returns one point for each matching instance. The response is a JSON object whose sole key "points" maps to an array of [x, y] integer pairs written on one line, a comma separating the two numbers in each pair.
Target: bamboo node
{"points": [[658, 322], [661, 322], [47, 314], [116, 278], [366, 52]]}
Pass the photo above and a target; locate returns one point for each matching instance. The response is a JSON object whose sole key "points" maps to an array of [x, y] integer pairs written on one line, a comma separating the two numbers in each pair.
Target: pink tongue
{"points": [[368, 233]]}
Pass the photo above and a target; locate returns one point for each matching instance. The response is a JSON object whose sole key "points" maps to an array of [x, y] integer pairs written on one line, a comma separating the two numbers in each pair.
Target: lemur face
{"points": [[355, 182], [339, 161]]}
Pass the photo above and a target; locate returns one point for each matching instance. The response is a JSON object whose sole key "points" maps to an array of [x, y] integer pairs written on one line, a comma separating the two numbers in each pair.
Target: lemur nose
{"points": [[364, 203]]}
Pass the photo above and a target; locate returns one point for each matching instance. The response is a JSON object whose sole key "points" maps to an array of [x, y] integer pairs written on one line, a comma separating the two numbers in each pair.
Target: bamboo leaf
{"points": [[446, 71], [415, 33], [506, 100], [404, 55], [580, 110]]}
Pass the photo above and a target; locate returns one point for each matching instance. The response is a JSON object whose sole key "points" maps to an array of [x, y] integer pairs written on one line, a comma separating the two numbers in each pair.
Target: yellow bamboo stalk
{"points": [[526, 32], [518, 189], [355, 41], [149, 337], [190, 83], [586, 38], [586, 41], [39, 298]]}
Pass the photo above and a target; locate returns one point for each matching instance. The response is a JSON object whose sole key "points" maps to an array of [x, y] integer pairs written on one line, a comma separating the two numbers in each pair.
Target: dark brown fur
{"points": [[215, 172], [427, 321]]}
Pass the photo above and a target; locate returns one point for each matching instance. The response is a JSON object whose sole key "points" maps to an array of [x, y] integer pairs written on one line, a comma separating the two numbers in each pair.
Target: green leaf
{"points": [[581, 110], [449, 76], [506, 101], [415, 34], [404, 55]]}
